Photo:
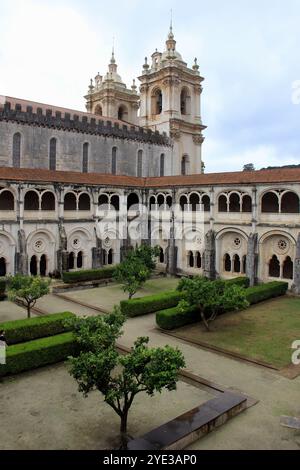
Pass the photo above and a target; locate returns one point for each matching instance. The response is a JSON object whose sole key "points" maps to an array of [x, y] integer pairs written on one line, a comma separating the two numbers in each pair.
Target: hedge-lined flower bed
{"points": [[19, 331], [88, 275], [37, 353], [175, 317], [150, 304]]}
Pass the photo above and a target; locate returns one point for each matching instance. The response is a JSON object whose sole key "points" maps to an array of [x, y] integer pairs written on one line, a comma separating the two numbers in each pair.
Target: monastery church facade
{"points": [[63, 172]]}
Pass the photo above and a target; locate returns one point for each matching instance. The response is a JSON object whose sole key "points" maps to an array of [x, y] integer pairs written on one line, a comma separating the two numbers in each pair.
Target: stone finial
{"points": [[146, 65], [91, 87], [133, 87], [196, 66]]}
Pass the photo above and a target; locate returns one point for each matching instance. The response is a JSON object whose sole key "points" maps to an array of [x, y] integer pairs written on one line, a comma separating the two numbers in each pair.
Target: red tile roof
{"points": [[284, 175]]}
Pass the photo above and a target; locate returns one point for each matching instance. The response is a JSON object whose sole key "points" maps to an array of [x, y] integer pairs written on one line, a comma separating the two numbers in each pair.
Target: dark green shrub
{"points": [[239, 281], [37, 353], [88, 275], [19, 331], [2, 288], [175, 317], [150, 304], [266, 291]]}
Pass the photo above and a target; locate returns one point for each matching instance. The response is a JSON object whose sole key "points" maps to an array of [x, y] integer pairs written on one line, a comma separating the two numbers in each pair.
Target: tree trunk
{"points": [[204, 320], [123, 430], [28, 311]]}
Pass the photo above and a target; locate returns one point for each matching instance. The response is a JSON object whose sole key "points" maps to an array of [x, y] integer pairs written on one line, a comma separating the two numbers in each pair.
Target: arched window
{"points": [[227, 263], [274, 267], [234, 202], [236, 264], [206, 203], [80, 260], [2, 267], [139, 170], [70, 202], [114, 161], [290, 203], [270, 203], [48, 201], [43, 265], [157, 102], [84, 202], [160, 200], [222, 203], [110, 257], [185, 165], [194, 202], [52, 154], [169, 201], [199, 260], [244, 264], [122, 113], [161, 255], [98, 110], [247, 204], [103, 201], [71, 260], [33, 266], [288, 268], [183, 202], [152, 203], [191, 259], [185, 102], [7, 201], [85, 158], [132, 200], [17, 150], [162, 165], [31, 201], [115, 202]]}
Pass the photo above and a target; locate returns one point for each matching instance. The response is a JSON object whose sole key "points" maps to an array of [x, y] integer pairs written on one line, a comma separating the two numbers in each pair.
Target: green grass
{"points": [[263, 332]]}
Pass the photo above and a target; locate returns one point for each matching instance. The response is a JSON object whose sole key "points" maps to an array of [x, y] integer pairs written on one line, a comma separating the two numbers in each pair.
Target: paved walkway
{"points": [[258, 427]]}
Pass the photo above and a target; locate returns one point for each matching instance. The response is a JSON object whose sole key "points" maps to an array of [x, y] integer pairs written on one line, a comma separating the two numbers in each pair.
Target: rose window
{"points": [[282, 245], [237, 242]]}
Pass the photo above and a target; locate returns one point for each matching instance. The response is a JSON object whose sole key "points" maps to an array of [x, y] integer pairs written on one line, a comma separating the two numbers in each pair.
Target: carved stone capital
{"points": [[198, 139], [198, 89]]}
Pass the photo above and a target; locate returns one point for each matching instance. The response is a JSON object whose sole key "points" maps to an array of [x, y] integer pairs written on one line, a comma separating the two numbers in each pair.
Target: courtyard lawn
{"points": [[263, 332], [111, 295]]}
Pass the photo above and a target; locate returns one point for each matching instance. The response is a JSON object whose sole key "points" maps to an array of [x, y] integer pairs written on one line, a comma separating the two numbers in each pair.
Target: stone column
{"points": [[97, 253], [296, 284], [172, 250], [21, 255], [62, 253], [252, 259], [210, 255]]}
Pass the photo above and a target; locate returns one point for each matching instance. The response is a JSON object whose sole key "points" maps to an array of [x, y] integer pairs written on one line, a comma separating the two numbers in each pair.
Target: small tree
{"points": [[211, 297], [27, 290], [249, 167], [137, 267], [120, 377]]}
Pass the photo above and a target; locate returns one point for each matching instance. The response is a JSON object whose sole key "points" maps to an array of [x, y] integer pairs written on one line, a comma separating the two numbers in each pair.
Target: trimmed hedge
{"points": [[175, 317], [239, 281], [37, 353], [19, 331], [2, 288], [150, 304], [266, 291], [88, 275]]}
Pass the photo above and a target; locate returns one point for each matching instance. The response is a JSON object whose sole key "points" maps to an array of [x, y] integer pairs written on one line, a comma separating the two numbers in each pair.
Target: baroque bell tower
{"points": [[170, 95]]}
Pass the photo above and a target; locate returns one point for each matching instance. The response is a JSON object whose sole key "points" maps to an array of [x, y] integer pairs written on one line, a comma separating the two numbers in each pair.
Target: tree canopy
{"points": [[27, 290]]}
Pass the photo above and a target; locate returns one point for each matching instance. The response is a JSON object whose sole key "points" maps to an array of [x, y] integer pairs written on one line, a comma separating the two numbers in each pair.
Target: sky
{"points": [[248, 52]]}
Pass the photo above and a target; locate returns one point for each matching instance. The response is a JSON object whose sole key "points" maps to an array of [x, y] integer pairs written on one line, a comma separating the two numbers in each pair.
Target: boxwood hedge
{"points": [[239, 281], [19, 331], [88, 275], [150, 304], [266, 291], [37, 353], [174, 318]]}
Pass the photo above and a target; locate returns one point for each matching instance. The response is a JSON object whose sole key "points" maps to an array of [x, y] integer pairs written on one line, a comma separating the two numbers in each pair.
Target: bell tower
{"points": [[170, 102], [108, 96]]}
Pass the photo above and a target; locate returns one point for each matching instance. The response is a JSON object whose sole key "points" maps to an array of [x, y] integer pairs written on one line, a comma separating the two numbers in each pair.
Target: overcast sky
{"points": [[248, 52]]}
